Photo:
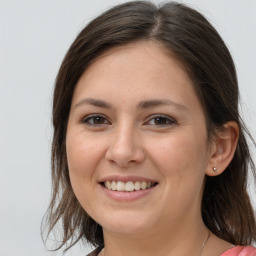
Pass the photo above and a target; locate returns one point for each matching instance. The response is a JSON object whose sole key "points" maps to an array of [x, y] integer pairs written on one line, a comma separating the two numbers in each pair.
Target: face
{"points": [[137, 144]]}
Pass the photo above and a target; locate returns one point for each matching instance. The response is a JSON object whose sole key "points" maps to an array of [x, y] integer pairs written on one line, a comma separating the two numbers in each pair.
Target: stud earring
{"points": [[215, 169], [225, 126]]}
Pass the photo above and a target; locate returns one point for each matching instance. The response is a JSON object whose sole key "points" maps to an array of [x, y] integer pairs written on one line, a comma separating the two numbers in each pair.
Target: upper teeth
{"points": [[127, 186]]}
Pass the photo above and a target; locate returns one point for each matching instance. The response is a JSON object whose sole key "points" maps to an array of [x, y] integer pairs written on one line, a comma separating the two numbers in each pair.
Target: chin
{"points": [[126, 224]]}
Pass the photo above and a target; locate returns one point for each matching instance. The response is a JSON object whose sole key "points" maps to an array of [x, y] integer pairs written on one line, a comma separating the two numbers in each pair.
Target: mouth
{"points": [[129, 186]]}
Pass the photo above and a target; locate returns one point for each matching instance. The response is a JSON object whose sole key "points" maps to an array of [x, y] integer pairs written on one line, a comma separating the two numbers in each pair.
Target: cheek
{"points": [[182, 158], [182, 166], [83, 154], [83, 157]]}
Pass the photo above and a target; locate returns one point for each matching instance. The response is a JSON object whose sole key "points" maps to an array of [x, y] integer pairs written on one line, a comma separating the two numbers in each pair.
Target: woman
{"points": [[149, 154]]}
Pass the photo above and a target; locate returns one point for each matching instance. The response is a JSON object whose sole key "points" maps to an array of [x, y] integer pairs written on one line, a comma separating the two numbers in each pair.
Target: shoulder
{"points": [[240, 251], [95, 252]]}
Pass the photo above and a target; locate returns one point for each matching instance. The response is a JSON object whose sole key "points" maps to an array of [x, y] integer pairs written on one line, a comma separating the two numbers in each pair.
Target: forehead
{"points": [[145, 47], [148, 55], [136, 72]]}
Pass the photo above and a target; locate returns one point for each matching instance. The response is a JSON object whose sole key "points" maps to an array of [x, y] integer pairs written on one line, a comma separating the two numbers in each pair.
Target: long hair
{"points": [[226, 207]]}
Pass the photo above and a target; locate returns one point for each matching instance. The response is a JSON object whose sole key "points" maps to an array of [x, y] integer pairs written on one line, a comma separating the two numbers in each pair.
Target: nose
{"points": [[125, 148]]}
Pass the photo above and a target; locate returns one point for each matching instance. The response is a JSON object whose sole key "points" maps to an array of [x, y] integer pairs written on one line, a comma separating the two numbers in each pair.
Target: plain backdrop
{"points": [[34, 36]]}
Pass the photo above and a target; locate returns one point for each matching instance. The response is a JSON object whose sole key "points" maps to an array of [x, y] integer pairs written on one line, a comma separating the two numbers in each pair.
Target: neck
{"points": [[168, 241]]}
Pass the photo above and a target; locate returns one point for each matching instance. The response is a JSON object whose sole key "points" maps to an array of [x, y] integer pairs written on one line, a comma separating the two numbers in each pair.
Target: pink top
{"points": [[240, 251], [235, 251]]}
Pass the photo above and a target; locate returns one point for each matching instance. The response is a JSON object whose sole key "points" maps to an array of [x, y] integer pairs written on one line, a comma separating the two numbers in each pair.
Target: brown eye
{"points": [[161, 120], [96, 120]]}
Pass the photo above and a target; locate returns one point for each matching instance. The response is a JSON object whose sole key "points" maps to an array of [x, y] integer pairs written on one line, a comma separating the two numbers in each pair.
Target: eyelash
{"points": [[89, 120]]}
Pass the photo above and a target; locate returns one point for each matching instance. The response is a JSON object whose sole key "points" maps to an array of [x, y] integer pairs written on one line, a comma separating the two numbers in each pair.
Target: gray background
{"points": [[34, 36]]}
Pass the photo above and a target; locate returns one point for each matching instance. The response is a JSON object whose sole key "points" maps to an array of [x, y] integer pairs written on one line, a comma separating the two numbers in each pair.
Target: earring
{"points": [[215, 169]]}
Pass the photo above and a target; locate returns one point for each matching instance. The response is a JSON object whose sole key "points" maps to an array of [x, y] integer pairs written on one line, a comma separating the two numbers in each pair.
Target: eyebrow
{"points": [[141, 105], [157, 102], [94, 102]]}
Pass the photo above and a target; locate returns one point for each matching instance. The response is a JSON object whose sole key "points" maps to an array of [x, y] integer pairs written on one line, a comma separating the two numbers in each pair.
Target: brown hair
{"points": [[226, 207]]}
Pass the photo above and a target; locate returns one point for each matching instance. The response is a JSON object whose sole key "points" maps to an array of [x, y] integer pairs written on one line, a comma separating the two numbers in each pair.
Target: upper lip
{"points": [[126, 178]]}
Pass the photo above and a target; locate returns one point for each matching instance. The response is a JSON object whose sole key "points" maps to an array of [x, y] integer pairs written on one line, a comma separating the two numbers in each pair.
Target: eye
{"points": [[161, 120], [95, 120]]}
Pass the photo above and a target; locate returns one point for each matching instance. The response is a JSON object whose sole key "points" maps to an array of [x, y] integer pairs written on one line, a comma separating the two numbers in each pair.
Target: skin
{"points": [[128, 138]]}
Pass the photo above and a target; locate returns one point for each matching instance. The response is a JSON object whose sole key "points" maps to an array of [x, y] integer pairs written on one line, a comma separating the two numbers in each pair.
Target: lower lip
{"points": [[126, 196]]}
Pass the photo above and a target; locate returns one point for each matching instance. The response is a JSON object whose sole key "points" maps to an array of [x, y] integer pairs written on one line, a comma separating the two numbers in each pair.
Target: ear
{"points": [[222, 148]]}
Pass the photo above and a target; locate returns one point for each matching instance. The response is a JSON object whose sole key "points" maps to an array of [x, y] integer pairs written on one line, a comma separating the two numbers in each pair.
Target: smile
{"points": [[128, 186]]}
